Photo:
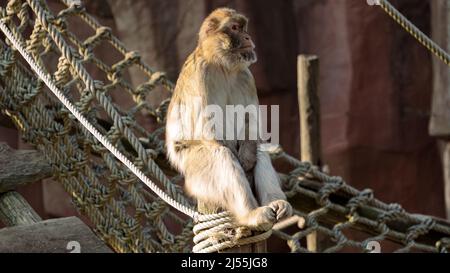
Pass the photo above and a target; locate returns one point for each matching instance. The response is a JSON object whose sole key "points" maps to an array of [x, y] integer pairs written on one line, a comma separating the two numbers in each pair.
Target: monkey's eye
{"points": [[235, 27]]}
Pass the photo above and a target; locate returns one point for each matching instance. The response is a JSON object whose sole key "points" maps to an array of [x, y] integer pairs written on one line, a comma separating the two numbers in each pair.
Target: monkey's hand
{"points": [[261, 218], [247, 154], [282, 208]]}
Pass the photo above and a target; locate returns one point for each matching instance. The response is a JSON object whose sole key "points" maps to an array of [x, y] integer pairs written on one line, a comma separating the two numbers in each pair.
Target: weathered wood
{"points": [[440, 116], [445, 151], [21, 167], [440, 110], [15, 210], [61, 235], [309, 107]]}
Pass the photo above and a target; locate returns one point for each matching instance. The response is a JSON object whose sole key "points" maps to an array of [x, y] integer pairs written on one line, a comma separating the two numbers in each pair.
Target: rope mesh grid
{"points": [[125, 214]]}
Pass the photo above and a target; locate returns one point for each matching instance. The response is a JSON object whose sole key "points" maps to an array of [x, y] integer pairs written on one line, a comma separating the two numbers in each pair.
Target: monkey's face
{"points": [[224, 38], [240, 44]]}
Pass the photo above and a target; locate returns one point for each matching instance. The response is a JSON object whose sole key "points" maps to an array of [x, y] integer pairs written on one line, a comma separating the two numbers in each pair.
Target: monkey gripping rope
{"points": [[212, 231]]}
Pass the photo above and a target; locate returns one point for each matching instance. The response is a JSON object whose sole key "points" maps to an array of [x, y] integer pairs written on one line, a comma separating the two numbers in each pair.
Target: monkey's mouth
{"points": [[246, 48], [248, 56]]}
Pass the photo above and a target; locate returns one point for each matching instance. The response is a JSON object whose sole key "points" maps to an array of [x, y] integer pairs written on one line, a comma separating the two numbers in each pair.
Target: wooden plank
{"points": [[445, 151], [62, 235], [21, 167], [15, 210], [440, 110], [309, 107]]}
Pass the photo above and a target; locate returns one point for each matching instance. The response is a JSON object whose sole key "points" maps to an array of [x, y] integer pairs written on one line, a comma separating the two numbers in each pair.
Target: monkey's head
{"points": [[224, 39]]}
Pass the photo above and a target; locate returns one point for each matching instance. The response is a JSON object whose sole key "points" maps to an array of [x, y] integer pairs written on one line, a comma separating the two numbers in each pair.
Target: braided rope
{"points": [[102, 139], [414, 31]]}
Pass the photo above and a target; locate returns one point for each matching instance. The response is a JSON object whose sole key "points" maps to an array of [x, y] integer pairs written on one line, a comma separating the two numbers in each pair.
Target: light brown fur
{"points": [[217, 73]]}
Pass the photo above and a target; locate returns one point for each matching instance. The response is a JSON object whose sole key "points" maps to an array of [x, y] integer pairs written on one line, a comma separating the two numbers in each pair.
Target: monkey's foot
{"points": [[282, 208], [261, 218]]}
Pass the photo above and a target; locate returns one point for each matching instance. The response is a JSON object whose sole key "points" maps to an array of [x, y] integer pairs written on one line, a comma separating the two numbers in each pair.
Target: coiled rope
{"points": [[213, 232]]}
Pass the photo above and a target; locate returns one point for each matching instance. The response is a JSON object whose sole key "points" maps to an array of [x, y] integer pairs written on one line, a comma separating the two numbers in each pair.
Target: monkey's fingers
{"points": [[281, 213], [275, 206]]}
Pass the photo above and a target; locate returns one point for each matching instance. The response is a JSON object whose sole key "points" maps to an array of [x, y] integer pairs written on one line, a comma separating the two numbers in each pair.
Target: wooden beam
{"points": [[445, 151], [440, 112], [63, 235], [309, 107], [21, 167], [15, 210]]}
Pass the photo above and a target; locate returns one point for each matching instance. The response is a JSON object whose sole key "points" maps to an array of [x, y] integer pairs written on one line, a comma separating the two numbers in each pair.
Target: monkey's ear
{"points": [[208, 27]]}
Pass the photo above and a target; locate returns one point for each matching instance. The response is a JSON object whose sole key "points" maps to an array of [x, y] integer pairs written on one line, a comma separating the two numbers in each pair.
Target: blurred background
{"points": [[385, 101]]}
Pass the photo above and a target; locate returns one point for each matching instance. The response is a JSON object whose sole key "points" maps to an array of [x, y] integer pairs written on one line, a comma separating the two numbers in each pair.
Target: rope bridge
{"points": [[88, 136]]}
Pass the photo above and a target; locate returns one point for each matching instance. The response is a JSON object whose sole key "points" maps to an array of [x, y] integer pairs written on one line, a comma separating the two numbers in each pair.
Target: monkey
{"points": [[218, 170]]}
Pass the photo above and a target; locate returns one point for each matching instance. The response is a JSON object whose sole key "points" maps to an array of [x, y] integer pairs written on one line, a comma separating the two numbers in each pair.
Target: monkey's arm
{"points": [[268, 188]]}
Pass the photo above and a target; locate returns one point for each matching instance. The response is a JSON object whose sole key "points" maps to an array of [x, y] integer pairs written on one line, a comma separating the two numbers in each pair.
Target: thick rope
{"points": [[102, 139], [414, 31], [207, 224]]}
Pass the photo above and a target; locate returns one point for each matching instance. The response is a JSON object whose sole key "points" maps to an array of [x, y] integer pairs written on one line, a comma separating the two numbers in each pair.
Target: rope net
{"points": [[124, 213]]}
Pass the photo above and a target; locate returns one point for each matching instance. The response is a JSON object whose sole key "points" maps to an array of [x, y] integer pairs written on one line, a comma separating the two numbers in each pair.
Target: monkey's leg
{"points": [[268, 187], [214, 176]]}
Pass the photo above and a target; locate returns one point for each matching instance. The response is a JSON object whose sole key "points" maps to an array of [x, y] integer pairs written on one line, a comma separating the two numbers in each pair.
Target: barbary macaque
{"points": [[217, 74]]}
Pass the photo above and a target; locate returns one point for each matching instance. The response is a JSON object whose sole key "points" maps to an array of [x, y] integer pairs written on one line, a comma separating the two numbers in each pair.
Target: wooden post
{"points": [[18, 168], [439, 126], [62, 235], [21, 167], [446, 156], [444, 148], [309, 107], [15, 210]]}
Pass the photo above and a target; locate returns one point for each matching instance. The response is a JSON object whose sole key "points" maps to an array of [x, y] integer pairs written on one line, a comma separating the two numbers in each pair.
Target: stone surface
{"points": [[440, 111]]}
